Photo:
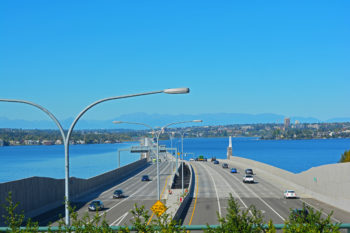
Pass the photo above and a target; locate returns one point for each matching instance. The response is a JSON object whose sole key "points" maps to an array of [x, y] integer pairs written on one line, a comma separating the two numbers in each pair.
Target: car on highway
{"points": [[96, 205], [289, 194], [213, 159], [248, 179], [224, 165], [118, 193], [249, 171], [191, 159], [216, 162], [145, 178], [233, 170]]}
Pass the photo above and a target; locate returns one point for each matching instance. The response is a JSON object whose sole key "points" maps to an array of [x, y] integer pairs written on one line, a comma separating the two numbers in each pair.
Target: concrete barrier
{"points": [[328, 183], [36, 195], [186, 201]]}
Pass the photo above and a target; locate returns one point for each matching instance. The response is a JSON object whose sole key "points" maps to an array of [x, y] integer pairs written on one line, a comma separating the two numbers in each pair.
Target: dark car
{"points": [[216, 162], [96, 205], [145, 178], [233, 170], [118, 193], [213, 159], [300, 215], [224, 165], [205, 159], [249, 171]]}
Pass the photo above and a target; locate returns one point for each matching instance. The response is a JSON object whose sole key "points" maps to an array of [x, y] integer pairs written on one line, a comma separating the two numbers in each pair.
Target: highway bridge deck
{"points": [[214, 184]]}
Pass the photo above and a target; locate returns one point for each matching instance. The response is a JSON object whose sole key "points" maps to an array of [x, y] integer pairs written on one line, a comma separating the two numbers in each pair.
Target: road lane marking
{"points": [[119, 220], [217, 195], [166, 182], [128, 179], [231, 188], [195, 200], [249, 189], [321, 211], [142, 187]]}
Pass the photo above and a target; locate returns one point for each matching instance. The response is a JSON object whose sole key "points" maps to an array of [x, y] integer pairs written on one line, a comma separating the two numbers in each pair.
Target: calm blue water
{"points": [[19, 162], [292, 155], [86, 161]]}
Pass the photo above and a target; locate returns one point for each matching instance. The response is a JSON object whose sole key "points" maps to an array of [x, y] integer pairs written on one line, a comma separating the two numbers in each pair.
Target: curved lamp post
{"points": [[182, 152], [157, 136], [68, 135]]}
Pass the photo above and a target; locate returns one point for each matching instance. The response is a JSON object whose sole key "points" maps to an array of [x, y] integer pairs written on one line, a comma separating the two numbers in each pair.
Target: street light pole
{"points": [[157, 137], [66, 137], [182, 152]]}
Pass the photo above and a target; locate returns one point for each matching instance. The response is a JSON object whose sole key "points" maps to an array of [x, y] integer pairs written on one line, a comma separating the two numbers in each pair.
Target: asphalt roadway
{"points": [[214, 184], [117, 211]]}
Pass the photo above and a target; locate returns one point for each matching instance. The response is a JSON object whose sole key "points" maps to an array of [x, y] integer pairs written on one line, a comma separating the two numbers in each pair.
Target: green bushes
{"points": [[236, 220], [345, 157]]}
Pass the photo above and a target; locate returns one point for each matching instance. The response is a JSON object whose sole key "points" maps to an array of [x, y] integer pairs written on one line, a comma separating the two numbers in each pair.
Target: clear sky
{"points": [[283, 57]]}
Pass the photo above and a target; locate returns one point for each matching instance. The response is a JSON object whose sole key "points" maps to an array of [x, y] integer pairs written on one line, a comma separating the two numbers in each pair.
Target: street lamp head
{"points": [[183, 90], [197, 120]]}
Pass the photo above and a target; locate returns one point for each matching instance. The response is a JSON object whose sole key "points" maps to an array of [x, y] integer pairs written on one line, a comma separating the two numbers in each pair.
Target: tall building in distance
{"points": [[286, 122]]}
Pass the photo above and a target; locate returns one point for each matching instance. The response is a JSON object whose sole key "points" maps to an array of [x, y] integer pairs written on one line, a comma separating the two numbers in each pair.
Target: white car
{"points": [[248, 179], [191, 159], [289, 194]]}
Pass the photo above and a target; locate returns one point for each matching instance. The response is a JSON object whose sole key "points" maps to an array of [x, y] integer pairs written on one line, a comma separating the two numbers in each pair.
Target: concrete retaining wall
{"points": [[37, 195], [329, 183]]}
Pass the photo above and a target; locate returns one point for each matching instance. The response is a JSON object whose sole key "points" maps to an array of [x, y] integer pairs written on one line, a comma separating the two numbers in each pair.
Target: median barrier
{"points": [[187, 198]]}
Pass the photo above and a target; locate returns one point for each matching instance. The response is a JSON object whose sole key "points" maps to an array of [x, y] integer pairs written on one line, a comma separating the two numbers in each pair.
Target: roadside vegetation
{"points": [[345, 157], [236, 220]]}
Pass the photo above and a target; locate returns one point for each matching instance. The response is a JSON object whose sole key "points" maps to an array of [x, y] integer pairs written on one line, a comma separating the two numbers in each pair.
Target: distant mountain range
{"points": [[162, 119]]}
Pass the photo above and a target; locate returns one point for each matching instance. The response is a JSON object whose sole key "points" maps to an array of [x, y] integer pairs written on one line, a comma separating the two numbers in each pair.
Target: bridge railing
{"points": [[133, 228]]}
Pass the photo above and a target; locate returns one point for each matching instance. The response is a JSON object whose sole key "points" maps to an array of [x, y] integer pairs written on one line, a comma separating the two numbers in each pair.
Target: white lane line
{"points": [[217, 195], [228, 185], [129, 179], [141, 188], [119, 220], [249, 189], [321, 211]]}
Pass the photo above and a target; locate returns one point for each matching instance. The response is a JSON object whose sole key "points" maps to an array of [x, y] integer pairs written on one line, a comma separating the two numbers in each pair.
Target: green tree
{"points": [[246, 221], [309, 221], [345, 157]]}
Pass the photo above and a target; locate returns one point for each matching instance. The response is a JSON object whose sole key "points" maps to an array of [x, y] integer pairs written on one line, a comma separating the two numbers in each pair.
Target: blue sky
{"points": [[283, 57]]}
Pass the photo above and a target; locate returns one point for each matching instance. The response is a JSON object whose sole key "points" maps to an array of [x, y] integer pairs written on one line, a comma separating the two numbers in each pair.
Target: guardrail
{"points": [[133, 228]]}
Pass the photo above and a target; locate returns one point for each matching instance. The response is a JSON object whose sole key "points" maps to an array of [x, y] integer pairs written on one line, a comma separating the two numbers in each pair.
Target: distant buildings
{"points": [[1, 142], [286, 122]]}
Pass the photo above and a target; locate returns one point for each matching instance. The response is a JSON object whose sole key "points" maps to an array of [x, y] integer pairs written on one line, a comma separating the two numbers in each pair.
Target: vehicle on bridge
{"points": [[118, 194], [213, 159], [216, 162], [248, 179], [249, 171], [96, 205], [289, 194], [224, 165], [145, 178], [201, 158], [233, 170]]}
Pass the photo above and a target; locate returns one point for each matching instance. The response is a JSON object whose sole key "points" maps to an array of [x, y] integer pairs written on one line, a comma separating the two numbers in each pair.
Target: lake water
{"points": [[86, 161], [19, 162], [292, 155]]}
